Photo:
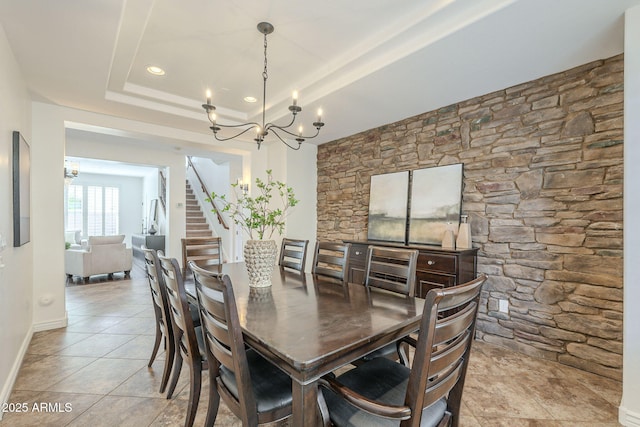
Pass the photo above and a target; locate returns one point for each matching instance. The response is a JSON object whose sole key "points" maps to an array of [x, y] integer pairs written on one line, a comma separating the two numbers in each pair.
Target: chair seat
{"points": [[382, 380], [271, 386], [386, 351]]}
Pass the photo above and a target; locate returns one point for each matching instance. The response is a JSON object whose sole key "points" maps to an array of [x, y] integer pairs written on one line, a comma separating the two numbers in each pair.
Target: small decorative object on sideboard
{"points": [[464, 233], [448, 237]]}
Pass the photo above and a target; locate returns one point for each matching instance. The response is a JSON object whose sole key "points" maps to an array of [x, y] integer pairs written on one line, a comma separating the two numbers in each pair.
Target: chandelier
{"points": [[70, 170], [264, 129]]}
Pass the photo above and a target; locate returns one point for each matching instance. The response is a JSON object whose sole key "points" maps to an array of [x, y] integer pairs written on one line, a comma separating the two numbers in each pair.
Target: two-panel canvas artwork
{"points": [[415, 206]]}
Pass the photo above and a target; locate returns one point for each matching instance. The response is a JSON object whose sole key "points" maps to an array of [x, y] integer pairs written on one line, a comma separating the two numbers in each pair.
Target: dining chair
{"points": [[393, 269], [205, 251], [164, 330], [331, 260], [383, 392], [293, 253], [188, 337], [255, 390]]}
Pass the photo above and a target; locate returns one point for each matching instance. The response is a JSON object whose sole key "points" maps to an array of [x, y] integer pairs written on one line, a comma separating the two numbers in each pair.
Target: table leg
{"points": [[305, 404]]}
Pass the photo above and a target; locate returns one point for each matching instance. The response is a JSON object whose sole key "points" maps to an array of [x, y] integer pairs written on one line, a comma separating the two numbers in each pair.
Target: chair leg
{"points": [[156, 345], [194, 393], [177, 367], [214, 400], [170, 350]]}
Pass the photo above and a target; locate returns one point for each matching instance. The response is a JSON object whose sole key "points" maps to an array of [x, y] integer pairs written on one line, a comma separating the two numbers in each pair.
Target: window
{"points": [[93, 209]]}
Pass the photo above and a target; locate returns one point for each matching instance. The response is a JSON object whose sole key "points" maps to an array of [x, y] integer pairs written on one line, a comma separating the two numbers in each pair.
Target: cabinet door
{"points": [[428, 280], [356, 275]]}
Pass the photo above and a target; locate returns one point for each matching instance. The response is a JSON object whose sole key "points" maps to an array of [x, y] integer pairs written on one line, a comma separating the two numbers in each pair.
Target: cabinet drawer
{"points": [[358, 255], [437, 262]]}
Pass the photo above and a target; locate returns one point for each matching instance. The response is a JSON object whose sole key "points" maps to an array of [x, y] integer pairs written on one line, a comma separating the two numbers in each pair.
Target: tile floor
{"points": [[94, 373]]}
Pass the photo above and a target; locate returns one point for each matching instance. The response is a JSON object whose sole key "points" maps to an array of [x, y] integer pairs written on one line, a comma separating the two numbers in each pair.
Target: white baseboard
{"points": [[628, 418], [13, 374], [53, 324]]}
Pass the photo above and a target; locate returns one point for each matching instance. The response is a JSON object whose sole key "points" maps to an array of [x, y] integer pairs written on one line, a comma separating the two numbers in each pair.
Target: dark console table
{"points": [[437, 267], [151, 241]]}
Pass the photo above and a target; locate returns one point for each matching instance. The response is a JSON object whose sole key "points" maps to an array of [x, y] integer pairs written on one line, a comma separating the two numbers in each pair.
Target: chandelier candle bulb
{"points": [[295, 98], [208, 97], [319, 115]]}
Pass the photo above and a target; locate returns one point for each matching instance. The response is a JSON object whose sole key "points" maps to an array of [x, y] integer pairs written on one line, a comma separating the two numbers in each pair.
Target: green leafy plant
{"points": [[255, 214]]}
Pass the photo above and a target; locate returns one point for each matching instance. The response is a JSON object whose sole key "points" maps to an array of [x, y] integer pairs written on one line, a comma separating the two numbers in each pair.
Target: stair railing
{"points": [[207, 192]]}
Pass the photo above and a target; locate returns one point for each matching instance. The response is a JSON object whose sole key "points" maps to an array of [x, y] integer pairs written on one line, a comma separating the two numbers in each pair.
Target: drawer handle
{"points": [[358, 252], [430, 262]]}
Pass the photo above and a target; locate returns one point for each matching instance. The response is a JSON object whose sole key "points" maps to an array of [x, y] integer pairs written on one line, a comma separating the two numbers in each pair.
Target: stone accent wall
{"points": [[543, 189]]}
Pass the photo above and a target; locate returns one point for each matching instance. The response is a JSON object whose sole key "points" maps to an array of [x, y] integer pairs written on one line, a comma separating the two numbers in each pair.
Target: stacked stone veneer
{"points": [[543, 189]]}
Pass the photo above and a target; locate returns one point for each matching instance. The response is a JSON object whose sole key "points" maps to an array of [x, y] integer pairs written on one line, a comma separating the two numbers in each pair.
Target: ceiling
{"points": [[364, 62]]}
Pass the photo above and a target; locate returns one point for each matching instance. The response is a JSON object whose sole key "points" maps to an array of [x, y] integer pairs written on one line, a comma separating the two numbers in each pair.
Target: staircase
{"points": [[196, 223]]}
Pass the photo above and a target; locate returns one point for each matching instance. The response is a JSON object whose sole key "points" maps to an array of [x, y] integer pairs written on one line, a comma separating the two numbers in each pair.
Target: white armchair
{"points": [[102, 255]]}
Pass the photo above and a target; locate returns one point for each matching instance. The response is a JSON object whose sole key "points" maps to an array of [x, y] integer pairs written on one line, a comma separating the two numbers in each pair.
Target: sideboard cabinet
{"points": [[437, 267], [151, 241]]}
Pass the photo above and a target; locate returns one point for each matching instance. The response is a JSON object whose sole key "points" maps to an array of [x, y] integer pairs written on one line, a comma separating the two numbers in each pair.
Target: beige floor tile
{"points": [[121, 411], [50, 342], [139, 347], [99, 377], [134, 326], [48, 370], [93, 324], [97, 345], [146, 382]]}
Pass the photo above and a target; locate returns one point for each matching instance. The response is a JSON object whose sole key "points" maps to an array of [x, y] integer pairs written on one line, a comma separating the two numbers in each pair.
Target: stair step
{"points": [[204, 233], [196, 219], [198, 227]]}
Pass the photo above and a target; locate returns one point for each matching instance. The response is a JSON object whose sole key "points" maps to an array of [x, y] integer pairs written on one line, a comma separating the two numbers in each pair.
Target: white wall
{"points": [[298, 169], [630, 406], [16, 264]]}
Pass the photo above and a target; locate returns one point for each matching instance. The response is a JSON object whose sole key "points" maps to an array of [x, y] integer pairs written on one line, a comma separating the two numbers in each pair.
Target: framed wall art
{"points": [[388, 199], [21, 190], [436, 201]]}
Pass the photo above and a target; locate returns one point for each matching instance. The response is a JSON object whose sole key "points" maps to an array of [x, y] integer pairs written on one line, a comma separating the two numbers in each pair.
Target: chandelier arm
{"points": [[250, 124], [285, 142], [281, 127], [298, 135], [233, 136]]}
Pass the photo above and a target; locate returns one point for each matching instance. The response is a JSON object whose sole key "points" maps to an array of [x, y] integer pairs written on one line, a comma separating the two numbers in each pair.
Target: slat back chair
{"points": [[293, 253], [393, 269], [164, 330], [331, 259], [206, 252], [256, 391], [429, 392], [187, 337]]}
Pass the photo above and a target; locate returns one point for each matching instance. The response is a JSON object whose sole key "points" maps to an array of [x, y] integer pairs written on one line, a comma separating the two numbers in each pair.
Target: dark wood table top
{"points": [[309, 326]]}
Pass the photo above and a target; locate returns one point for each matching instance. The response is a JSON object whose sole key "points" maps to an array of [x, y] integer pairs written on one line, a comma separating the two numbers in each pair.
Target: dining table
{"points": [[309, 325]]}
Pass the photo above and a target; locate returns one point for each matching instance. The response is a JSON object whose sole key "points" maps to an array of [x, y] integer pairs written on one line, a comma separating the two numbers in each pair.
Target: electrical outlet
{"points": [[503, 306]]}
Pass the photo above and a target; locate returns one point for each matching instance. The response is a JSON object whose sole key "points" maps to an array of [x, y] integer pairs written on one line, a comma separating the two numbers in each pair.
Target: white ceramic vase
{"points": [[260, 258], [464, 234]]}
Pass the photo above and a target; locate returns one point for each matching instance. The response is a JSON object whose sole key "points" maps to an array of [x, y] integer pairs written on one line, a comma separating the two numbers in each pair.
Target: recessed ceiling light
{"points": [[250, 99], [155, 70]]}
